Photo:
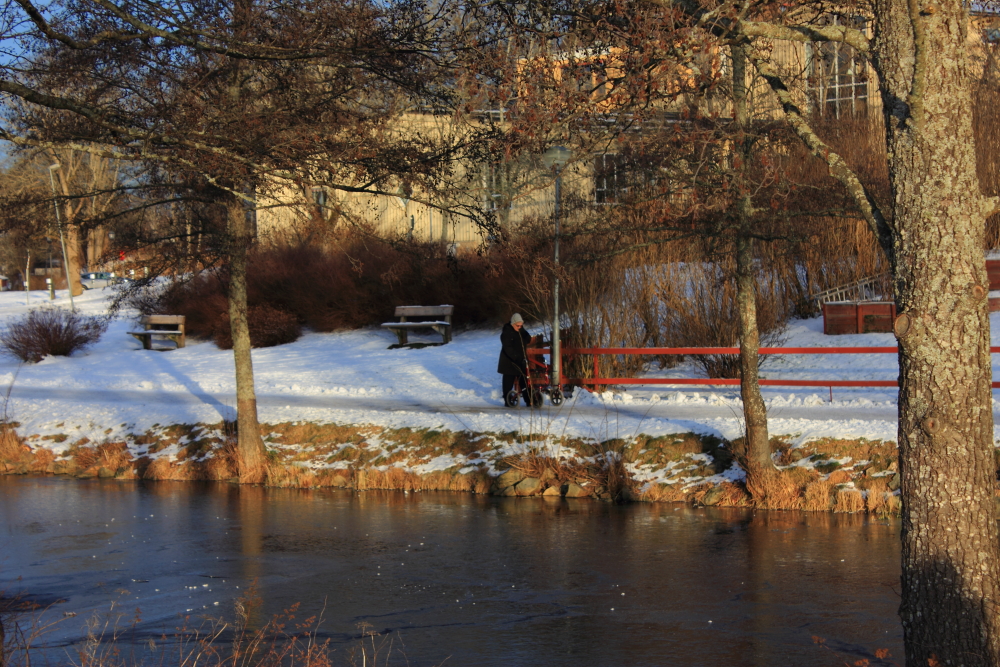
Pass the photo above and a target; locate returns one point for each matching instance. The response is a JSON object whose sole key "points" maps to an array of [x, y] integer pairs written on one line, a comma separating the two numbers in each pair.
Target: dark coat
{"points": [[513, 355]]}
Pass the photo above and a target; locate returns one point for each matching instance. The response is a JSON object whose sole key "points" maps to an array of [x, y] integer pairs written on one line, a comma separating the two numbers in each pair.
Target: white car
{"points": [[98, 280]]}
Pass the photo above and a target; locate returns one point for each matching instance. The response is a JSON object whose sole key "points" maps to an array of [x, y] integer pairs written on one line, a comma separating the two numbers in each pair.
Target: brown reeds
{"points": [[11, 445], [849, 501], [248, 640], [779, 489], [817, 496]]}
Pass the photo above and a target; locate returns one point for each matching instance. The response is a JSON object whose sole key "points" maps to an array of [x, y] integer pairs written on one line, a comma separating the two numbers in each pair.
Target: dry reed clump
{"points": [[292, 477], [893, 504], [218, 466], [781, 490], [849, 501], [17, 457], [392, 478], [163, 469], [800, 476], [43, 460], [875, 497], [84, 457], [840, 477], [817, 496], [663, 493], [733, 495], [159, 469], [337, 477], [12, 447], [113, 456]]}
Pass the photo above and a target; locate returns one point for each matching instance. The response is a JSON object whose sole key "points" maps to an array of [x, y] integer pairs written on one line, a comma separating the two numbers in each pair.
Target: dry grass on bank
{"points": [[246, 640], [845, 476]]}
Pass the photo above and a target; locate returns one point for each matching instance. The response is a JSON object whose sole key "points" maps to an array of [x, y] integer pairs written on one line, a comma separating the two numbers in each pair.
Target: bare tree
{"points": [[228, 104]]}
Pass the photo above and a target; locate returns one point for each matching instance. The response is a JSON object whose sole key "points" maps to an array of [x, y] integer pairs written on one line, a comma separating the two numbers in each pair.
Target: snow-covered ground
{"points": [[115, 387]]}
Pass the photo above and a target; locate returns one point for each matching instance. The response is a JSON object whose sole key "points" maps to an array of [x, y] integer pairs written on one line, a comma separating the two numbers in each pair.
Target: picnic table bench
{"points": [[161, 326], [404, 326]]}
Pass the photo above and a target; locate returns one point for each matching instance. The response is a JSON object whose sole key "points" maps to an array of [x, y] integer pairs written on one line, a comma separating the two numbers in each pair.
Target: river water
{"points": [[460, 579]]}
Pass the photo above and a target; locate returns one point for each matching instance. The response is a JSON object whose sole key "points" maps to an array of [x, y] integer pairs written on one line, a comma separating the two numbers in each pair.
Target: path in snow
{"points": [[115, 387]]}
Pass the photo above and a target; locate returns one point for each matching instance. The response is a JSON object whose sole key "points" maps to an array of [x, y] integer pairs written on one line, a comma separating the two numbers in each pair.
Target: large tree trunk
{"points": [[73, 266], [949, 537], [251, 455], [96, 247], [70, 233]]}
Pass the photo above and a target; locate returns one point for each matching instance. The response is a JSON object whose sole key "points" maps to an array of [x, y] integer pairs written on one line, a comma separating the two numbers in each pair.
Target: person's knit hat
{"points": [[515, 318]]}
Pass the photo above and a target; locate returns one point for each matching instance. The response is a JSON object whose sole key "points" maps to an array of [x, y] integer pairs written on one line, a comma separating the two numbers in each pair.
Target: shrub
{"points": [[268, 327], [51, 332], [700, 310], [350, 283]]}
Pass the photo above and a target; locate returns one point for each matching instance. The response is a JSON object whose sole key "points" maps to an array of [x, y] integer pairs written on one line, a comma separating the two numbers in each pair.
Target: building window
{"points": [[837, 74], [494, 185], [617, 175], [319, 196]]}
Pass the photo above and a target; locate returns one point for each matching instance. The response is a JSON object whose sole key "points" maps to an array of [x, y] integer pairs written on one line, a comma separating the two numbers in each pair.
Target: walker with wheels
{"points": [[539, 380]]}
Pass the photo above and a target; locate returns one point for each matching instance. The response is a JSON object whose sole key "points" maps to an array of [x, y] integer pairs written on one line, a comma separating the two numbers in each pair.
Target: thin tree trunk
{"points": [[755, 457], [950, 554], [251, 455], [756, 454]]}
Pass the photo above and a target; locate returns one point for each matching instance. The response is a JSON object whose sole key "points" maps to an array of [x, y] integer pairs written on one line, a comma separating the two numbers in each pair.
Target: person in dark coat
{"points": [[513, 364]]}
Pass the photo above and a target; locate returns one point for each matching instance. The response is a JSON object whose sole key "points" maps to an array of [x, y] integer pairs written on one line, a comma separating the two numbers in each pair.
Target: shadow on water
{"points": [[486, 581]]}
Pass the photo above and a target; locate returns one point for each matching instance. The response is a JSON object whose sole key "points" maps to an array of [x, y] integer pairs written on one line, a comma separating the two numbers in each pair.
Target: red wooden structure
{"points": [[597, 351], [993, 273], [849, 317]]}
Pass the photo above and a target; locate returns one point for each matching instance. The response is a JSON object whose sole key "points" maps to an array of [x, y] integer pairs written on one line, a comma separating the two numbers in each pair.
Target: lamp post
{"points": [[555, 160], [62, 241]]}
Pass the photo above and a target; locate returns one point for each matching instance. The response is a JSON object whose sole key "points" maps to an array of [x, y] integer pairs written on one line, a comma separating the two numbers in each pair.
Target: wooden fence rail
{"points": [[596, 352]]}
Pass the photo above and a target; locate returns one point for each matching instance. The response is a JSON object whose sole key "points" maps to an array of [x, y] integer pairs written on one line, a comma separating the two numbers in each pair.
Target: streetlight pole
{"points": [[62, 240], [555, 159], [556, 334]]}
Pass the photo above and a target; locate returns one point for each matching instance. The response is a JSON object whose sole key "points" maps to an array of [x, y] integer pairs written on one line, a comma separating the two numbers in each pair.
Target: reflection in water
{"points": [[487, 581], [250, 502]]}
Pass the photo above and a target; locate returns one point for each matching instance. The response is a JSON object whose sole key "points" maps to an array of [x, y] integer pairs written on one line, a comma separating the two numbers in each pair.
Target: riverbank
{"points": [[342, 409], [821, 475]]}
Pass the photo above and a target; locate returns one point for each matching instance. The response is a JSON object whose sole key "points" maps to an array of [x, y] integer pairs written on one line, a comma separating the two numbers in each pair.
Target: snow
{"points": [[116, 388]]}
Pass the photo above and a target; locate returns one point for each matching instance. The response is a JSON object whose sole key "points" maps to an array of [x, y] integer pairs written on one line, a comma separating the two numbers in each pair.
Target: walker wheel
{"points": [[536, 398], [556, 397], [510, 400]]}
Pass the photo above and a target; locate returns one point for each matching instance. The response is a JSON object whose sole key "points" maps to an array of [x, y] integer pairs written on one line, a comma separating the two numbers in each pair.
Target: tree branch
{"points": [[838, 167], [806, 33]]}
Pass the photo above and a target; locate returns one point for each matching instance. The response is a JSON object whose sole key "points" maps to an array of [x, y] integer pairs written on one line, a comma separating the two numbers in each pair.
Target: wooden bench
{"points": [[404, 326], [161, 326]]}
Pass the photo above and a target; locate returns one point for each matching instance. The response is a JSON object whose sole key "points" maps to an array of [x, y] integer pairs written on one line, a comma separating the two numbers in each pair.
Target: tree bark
{"points": [[950, 550], [73, 266], [251, 454], [755, 455], [71, 234]]}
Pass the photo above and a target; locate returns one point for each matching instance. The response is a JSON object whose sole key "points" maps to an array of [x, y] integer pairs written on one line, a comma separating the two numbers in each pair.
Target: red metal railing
{"points": [[598, 351]]}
